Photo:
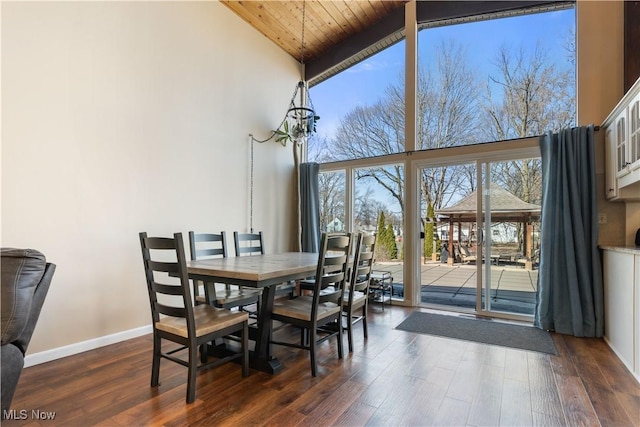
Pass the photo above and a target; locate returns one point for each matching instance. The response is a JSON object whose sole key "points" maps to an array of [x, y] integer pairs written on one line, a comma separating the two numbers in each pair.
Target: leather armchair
{"points": [[26, 277]]}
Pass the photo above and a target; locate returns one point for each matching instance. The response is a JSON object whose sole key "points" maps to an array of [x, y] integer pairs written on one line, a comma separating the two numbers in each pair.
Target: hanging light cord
{"points": [[251, 193], [273, 133], [304, 5]]}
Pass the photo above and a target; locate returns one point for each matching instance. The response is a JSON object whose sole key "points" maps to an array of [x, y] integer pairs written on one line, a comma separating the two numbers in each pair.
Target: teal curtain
{"points": [[310, 207], [570, 297]]}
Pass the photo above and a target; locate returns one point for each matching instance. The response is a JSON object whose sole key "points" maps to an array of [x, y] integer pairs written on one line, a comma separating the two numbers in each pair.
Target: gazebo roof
{"points": [[504, 207]]}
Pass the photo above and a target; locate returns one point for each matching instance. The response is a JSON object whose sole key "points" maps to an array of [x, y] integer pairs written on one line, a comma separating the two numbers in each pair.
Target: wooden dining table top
{"points": [[256, 269]]}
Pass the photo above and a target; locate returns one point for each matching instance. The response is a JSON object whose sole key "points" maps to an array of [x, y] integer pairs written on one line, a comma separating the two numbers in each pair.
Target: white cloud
{"points": [[367, 65]]}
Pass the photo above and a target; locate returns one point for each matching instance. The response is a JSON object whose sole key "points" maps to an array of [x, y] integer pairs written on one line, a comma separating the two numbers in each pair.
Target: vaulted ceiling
{"points": [[340, 33], [326, 23]]}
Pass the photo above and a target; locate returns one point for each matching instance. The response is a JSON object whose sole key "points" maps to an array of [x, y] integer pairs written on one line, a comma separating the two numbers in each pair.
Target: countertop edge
{"points": [[635, 250]]}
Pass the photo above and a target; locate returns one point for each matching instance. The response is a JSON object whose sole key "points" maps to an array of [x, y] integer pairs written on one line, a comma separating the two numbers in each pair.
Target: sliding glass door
{"points": [[448, 268], [509, 241], [481, 225]]}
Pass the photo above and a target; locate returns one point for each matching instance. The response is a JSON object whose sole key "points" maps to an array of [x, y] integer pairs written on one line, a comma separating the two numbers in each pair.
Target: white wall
{"points": [[121, 117]]}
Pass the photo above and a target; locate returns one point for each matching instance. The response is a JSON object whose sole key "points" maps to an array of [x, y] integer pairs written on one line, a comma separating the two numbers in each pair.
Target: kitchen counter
{"points": [[621, 271], [633, 250]]}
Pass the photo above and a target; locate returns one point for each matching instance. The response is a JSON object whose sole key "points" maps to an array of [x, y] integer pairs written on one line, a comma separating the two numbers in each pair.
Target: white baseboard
{"points": [[92, 344], [627, 364]]}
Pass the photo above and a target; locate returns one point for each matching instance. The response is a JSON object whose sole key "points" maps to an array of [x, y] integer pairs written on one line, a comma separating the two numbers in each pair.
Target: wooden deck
{"points": [[511, 278]]}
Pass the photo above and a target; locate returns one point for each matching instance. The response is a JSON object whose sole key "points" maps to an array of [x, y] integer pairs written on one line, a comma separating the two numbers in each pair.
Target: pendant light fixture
{"points": [[298, 124], [300, 119]]}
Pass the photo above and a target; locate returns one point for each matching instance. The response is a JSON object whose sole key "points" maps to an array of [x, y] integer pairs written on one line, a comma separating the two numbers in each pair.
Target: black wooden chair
{"points": [[356, 295], [319, 315], [253, 244], [181, 322], [305, 286], [248, 243], [213, 245]]}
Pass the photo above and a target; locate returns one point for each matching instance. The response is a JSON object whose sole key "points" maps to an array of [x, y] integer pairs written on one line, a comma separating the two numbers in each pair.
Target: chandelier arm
{"points": [[275, 132]]}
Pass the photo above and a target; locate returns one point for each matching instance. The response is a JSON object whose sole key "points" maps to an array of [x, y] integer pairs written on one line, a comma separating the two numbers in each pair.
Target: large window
{"points": [[496, 79], [361, 109], [478, 82], [332, 190]]}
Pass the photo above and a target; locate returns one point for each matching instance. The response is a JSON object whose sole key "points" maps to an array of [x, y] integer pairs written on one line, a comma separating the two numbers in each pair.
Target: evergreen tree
{"points": [[381, 226], [428, 231], [381, 251], [391, 242]]}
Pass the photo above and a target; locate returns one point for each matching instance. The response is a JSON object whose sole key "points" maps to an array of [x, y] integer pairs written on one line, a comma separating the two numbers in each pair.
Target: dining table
{"points": [[263, 272]]}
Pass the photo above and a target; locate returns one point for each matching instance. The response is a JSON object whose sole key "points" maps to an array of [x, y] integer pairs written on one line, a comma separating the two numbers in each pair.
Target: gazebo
{"points": [[504, 207]]}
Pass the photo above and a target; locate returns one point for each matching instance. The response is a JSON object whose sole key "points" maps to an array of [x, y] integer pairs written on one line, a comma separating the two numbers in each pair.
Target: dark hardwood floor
{"points": [[394, 378]]}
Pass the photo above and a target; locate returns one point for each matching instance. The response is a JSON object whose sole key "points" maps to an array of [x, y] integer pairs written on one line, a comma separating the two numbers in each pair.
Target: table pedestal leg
{"points": [[262, 358]]}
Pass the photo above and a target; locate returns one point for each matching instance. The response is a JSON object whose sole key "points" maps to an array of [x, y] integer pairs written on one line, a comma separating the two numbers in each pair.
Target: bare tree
{"points": [[446, 103], [318, 148], [332, 198], [367, 209], [534, 96]]}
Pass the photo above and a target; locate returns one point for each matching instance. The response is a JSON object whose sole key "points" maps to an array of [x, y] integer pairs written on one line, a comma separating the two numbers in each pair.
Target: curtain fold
{"points": [[570, 298], [309, 207]]}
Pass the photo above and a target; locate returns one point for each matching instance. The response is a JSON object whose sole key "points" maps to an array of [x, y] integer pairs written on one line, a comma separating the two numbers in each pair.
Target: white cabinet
{"points": [[610, 156], [633, 145], [621, 268], [622, 138]]}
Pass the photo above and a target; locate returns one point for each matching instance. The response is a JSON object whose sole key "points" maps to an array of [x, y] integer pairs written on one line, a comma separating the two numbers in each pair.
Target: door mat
{"points": [[482, 331]]}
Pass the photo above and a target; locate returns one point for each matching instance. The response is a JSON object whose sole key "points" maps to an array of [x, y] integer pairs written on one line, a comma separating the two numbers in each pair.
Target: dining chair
{"points": [[176, 319], [305, 286], [214, 245], [356, 294], [319, 315], [253, 244], [248, 243]]}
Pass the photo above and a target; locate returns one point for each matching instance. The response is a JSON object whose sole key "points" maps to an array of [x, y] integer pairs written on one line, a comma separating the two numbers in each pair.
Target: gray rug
{"points": [[483, 331]]}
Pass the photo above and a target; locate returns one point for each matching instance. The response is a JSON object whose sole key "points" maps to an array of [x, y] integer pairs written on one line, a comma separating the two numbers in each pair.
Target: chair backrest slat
{"points": [[165, 289], [207, 245], [248, 243], [160, 243], [172, 311], [165, 267]]}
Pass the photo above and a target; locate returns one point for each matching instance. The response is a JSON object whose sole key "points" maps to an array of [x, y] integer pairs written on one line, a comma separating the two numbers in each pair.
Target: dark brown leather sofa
{"points": [[26, 276]]}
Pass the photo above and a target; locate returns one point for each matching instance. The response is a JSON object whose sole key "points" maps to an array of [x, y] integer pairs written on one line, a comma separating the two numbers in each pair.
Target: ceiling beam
{"points": [[392, 23], [391, 30], [433, 11]]}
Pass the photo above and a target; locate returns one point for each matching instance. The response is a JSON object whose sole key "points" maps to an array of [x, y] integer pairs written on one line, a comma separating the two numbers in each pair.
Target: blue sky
{"points": [[365, 82]]}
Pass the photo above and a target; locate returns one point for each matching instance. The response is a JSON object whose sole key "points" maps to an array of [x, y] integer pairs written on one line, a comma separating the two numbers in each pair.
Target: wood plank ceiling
{"points": [[326, 23]]}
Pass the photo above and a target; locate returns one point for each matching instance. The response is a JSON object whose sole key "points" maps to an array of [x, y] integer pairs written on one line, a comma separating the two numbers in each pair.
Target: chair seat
{"points": [[234, 297], [208, 319], [300, 308], [286, 289], [307, 284], [358, 298], [328, 290]]}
